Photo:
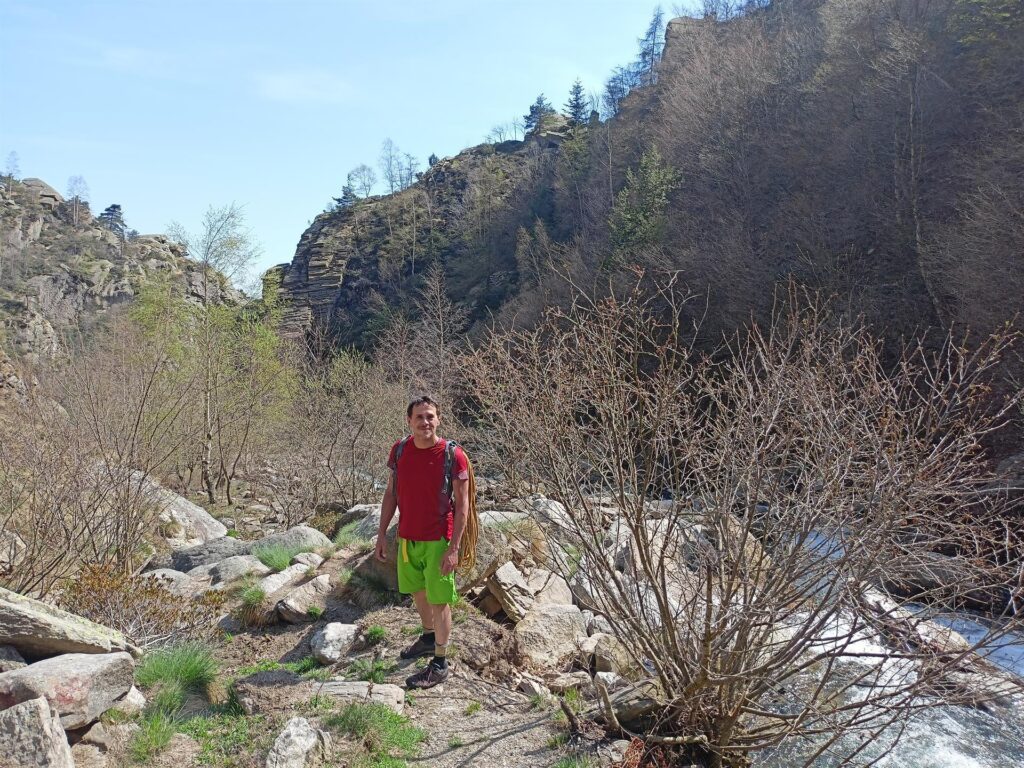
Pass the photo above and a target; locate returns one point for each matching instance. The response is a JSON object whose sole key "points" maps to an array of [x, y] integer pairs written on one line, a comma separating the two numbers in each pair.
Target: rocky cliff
{"points": [[61, 271], [355, 266], [870, 151]]}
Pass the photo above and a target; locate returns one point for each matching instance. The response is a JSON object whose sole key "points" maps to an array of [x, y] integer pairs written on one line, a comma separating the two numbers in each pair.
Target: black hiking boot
{"points": [[431, 675], [424, 646]]}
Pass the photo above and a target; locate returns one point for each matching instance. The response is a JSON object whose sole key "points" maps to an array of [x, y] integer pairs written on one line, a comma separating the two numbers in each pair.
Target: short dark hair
{"points": [[422, 400]]}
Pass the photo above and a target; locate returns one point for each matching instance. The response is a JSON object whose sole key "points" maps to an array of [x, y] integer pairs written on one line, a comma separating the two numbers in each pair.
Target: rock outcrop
{"points": [[80, 687], [38, 629], [31, 736]]}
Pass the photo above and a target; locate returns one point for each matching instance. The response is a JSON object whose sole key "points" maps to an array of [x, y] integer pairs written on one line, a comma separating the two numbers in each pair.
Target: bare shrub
{"points": [[142, 608], [74, 480], [762, 494]]}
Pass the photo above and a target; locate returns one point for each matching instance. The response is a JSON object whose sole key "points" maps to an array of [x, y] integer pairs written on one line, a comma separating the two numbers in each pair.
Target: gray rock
{"points": [[210, 552], [370, 523], [531, 686], [295, 608], [549, 634], [176, 582], [10, 658], [301, 536], [510, 588], [299, 745], [610, 680], [308, 559], [282, 579], [236, 567], [549, 588], [330, 643], [636, 701], [132, 703], [31, 736], [189, 524], [79, 686], [578, 680], [39, 629], [11, 548], [501, 518], [385, 693]]}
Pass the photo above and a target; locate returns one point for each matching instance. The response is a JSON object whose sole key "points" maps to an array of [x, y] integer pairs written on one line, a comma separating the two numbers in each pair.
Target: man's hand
{"points": [[378, 550], [450, 561]]}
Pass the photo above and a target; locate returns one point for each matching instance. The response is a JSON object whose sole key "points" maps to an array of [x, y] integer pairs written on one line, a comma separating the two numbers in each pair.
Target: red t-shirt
{"points": [[424, 512]]}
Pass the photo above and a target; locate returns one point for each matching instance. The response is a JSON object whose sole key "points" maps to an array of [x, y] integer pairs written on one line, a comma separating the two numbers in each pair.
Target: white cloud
{"points": [[303, 86]]}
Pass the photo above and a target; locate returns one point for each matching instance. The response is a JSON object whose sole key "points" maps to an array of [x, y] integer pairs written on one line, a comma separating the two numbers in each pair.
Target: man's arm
{"points": [[388, 505], [460, 493]]}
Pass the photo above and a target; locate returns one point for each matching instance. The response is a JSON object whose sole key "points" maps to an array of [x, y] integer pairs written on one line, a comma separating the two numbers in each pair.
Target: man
{"points": [[430, 528]]}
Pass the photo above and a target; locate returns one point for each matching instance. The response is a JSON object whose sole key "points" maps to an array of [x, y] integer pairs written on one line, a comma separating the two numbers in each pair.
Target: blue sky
{"points": [[169, 107]]}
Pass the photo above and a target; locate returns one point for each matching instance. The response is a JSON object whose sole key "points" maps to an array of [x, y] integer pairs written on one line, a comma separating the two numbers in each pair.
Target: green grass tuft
{"points": [[384, 734], [346, 537], [277, 557], [472, 708], [224, 736], [375, 635], [189, 665], [156, 729], [371, 671], [314, 612], [575, 761]]}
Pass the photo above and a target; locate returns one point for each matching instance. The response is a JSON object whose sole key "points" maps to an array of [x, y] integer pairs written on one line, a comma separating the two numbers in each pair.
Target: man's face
{"points": [[423, 422]]}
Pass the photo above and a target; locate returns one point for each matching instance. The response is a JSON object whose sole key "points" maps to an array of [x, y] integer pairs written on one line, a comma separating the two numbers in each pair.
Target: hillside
{"points": [[61, 271], [871, 150]]}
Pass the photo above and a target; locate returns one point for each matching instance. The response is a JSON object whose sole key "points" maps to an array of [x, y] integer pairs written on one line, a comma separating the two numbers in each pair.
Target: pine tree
{"points": [[651, 46], [576, 107], [433, 160], [113, 219], [540, 109]]}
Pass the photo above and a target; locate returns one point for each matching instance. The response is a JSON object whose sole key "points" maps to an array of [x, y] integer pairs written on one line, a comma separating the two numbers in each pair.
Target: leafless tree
{"points": [[362, 179], [78, 194], [391, 165], [762, 497]]}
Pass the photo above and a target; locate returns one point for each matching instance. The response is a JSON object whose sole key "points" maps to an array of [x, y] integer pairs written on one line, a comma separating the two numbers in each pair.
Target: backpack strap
{"points": [[398, 455], [447, 485]]}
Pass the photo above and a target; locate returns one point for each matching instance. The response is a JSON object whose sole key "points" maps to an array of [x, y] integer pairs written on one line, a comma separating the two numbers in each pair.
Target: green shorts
{"points": [[419, 568]]}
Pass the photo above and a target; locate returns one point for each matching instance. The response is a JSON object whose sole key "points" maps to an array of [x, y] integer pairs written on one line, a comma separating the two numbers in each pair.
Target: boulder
{"points": [[548, 588], [185, 524], [308, 559], [38, 629], [211, 552], [510, 589], [12, 546], [31, 736], [299, 537], [278, 581], [330, 643], [548, 634], [369, 567], [565, 681], [131, 704], [299, 745], [234, 568], [492, 550], [176, 582], [345, 692], [10, 658], [295, 608], [79, 686], [610, 655], [551, 513], [636, 701]]}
